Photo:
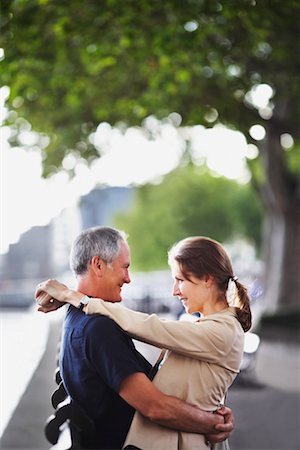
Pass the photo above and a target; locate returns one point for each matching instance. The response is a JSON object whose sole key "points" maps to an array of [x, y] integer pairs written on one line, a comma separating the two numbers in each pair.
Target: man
{"points": [[100, 367]]}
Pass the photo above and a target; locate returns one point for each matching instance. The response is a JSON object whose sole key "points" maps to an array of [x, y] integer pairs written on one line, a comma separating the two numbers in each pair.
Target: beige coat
{"points": [[203, 359]]}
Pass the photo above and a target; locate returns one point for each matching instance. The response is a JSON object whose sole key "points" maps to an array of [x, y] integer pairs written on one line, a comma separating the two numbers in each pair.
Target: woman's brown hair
{"points": [[201, 256]]}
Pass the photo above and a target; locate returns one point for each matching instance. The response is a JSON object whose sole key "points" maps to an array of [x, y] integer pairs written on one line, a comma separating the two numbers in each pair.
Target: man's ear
{"points": [[97, 265]]}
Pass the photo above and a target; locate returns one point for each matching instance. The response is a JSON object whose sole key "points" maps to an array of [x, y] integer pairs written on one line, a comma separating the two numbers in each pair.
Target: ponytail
{"points": [[242, 304]]}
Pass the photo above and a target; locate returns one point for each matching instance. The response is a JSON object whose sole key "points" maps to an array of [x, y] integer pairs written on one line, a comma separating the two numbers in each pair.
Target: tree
{"points": [[71, 65], [188, 202]]}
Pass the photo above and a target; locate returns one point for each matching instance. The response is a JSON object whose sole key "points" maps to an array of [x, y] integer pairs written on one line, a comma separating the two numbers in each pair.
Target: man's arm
{"points": [[160, 408], [142, 394]]}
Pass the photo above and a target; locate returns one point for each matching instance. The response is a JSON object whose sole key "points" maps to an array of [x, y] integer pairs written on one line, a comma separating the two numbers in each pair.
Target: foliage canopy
{"points": [[71, 65], [189, 202]]}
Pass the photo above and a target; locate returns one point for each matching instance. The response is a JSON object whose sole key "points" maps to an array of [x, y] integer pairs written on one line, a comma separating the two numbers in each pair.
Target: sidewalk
{"points": [[25, 430], [267, 413], [267, 410], [278, 365], [265, 419]]}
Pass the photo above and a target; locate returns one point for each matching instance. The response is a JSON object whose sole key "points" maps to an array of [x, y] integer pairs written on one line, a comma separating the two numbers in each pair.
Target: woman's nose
{"points": [[175, 290]]}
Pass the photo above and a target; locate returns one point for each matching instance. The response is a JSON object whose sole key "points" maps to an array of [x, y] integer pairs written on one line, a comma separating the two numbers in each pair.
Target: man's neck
{"points": [[87, 287]]}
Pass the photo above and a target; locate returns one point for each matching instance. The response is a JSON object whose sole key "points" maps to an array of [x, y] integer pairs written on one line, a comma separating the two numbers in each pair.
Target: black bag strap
{"points": [[155, 368]]}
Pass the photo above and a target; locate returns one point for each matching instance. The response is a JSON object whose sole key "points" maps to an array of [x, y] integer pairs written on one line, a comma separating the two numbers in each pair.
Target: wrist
{"points": [[73, 297], [83, 302]]}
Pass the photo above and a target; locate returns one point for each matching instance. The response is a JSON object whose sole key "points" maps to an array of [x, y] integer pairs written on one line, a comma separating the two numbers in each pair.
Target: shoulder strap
{"points": [[155, 368]]}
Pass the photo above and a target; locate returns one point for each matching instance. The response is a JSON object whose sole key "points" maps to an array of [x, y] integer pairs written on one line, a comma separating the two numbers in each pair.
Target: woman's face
{"points": [[192, 293]]}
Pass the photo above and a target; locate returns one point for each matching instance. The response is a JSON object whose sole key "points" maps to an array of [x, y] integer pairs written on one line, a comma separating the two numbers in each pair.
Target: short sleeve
{"points": [[112, 352]]}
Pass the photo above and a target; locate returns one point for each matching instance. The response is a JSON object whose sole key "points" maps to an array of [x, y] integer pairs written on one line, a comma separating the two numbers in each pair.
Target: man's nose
{"points": [[127, 278]]}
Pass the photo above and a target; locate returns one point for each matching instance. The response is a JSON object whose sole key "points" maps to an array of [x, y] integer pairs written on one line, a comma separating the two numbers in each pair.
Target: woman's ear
{"points": [[209, 280]]}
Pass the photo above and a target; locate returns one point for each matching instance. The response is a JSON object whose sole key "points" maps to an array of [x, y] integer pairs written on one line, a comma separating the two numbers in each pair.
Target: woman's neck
{"points": [[214, 307]]}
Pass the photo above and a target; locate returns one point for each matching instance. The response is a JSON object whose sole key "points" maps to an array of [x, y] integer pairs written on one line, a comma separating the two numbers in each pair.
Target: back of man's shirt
{"points": [[96, 356]]}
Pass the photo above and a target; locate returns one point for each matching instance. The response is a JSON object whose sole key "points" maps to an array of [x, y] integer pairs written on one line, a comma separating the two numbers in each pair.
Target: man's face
{"points": [[115, 275]]}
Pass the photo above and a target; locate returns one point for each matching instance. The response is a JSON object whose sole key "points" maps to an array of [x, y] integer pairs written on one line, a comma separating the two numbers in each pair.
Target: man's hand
{"points": [[223, 430]]}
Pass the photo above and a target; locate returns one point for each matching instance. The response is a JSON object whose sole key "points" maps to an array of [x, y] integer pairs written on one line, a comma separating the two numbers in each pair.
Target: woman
{"points": [[203, 357]]}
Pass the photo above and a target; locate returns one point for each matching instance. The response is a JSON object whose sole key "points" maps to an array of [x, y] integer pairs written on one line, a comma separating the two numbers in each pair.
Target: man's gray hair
{"points": [[104, 242]]}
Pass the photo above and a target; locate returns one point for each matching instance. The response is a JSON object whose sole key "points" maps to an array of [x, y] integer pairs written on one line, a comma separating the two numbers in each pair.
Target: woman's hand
{"points": [[53, 288], [47, 303], [50, 295]]}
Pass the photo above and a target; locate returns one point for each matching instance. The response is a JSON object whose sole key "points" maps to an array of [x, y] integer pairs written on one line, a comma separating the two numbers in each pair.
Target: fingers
{"points": [[43, 298], [42, 309], [216, 438], [45, 295], [228, 424], [47, 309], [41, 287], [223, 411], [53, 287], [47, 303], [226, 413], [224, 427], [37, 292]]}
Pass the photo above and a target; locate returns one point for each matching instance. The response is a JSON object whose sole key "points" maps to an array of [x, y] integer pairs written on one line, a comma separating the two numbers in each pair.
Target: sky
{"points": [[128, 159]]}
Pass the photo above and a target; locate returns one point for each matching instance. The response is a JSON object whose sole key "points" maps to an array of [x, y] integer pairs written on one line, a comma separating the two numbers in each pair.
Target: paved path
{"points": [[26, 428], [266, 417], [278, 365]]}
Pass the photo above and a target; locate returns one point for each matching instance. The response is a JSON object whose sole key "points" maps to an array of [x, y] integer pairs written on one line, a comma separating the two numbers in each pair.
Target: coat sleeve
{"points": [[208, 340]]}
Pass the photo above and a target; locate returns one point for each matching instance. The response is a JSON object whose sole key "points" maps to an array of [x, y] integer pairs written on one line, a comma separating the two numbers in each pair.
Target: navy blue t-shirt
{"points": [[96, 356]]}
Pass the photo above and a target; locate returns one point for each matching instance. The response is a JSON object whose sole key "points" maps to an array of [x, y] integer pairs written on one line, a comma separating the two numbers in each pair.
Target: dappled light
{"points": [[257, 132], [286, 141]]}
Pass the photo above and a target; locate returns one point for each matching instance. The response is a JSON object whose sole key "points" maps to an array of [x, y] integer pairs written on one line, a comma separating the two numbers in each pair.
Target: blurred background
{"points": [[164, 119]]}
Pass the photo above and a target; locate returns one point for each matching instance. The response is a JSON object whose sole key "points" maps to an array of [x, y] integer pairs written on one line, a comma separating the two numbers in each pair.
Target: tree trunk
{"points": [[281, 198], [290, 286], [282, 261]]}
